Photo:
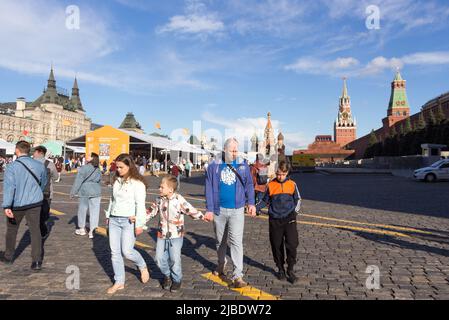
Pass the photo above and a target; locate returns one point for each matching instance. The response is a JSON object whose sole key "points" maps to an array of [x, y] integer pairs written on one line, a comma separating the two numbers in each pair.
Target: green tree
{"points": [[440, 117], [372, 139], [408, 126], [432, 120], [421, 122], [393, 131]]}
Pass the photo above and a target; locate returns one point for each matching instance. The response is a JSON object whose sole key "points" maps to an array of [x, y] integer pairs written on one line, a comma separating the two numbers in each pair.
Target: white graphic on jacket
{"points": [[171, 215], [228, 176]]}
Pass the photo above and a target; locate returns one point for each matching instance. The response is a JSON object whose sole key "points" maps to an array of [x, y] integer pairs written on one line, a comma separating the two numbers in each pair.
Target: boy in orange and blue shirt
{"points": [[284, 201]]}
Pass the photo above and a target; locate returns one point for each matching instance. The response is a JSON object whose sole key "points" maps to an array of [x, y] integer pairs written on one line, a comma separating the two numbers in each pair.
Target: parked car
{"points": [[437, 171]]}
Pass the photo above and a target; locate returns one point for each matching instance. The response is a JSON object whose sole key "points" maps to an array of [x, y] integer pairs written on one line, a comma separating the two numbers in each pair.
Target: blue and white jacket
{"points": [[244, 193]]}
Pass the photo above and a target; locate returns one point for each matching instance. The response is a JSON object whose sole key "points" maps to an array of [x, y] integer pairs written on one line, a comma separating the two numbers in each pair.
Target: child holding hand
{"points": [[171, 208]]}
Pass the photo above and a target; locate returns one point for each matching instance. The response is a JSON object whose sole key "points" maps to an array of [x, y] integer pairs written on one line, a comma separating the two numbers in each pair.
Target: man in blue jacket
{"points": [[24, 182], [229, 188]]}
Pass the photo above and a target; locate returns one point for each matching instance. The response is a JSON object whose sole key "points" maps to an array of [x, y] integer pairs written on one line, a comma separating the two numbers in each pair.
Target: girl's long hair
{"points": [[133, 173]]}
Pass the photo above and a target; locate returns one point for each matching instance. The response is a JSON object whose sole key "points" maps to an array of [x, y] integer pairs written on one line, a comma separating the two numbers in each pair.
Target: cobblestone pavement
{"points": [[349, 222]]}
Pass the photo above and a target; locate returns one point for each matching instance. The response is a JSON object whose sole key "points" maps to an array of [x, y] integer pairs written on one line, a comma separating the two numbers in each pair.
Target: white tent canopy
{"points": [[9, 147], [164, 143], [77, 149]]}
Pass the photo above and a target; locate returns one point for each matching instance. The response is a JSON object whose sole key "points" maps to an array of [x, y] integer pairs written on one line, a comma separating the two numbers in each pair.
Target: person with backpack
{"points": [[259, 172], [23, 186], [52, 175], [87, 187]]}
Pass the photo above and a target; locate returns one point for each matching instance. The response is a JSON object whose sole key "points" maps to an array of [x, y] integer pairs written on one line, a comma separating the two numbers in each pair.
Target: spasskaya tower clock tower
{"points": [[345, 126]]}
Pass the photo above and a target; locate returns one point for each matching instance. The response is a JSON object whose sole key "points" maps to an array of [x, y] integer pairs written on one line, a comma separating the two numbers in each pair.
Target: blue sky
{"points": [[227, 63]]}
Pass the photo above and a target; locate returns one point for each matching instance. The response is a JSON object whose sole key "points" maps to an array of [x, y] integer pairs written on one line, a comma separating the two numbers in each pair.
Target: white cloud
{"points": [[317, 66], [351, 66], [427, 58], [193, 24], [380, 64], [197, 20], [244, 128]]}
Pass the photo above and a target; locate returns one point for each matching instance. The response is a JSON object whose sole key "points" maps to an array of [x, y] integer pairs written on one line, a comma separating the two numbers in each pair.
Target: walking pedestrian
{"points": [[176, 172], [229, 188], [171, 208], [24, 182], [188, 168], [259, 172], [59, 164], [284, 202], [52, 175], [87, 187], [105, 167], [112, 172], [126, 218]]}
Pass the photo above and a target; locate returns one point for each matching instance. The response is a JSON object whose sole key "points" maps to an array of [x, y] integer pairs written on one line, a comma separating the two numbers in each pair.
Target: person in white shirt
{"points": [[126, 218]]}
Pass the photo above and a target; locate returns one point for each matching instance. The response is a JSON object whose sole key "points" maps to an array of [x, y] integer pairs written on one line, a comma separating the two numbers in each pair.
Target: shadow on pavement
{"points": [[210, 243], [404, 244], [25, 241], [102, 251]]}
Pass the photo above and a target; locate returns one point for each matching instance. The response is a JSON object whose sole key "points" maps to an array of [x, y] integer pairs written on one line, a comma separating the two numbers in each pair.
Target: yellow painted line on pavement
{"points": [[248, 291], [338, 226], [102, 231], [61, 193], [56, 212], [369, 224]]}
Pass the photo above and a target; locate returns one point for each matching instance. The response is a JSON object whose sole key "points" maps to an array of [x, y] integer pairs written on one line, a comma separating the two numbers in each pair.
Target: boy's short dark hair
{"points": [[23, 146], [171, 181], [283, 166], [41, 149]]}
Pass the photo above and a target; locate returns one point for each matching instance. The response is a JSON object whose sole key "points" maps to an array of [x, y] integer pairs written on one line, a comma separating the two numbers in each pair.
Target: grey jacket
{"points": [[53, 173], [91, 188]]}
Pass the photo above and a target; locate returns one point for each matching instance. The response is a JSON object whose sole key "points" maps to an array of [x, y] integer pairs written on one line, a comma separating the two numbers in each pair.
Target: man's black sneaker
{"points": [[281, 274], [291, 277], [36, 266], [166, 283], [175, 286]]}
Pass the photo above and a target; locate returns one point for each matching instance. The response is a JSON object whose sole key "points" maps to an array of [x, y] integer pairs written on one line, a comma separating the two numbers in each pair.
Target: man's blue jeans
{"points": [[229, 227]]}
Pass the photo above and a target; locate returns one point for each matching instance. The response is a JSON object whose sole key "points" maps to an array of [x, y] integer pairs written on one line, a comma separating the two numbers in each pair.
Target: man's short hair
{"points": [[24, 147], [41, 149], [171, 181], [229, 141]]}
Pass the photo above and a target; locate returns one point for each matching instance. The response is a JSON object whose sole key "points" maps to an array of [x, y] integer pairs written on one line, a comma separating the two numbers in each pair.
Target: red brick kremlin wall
{"points": [[361, 144]]}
